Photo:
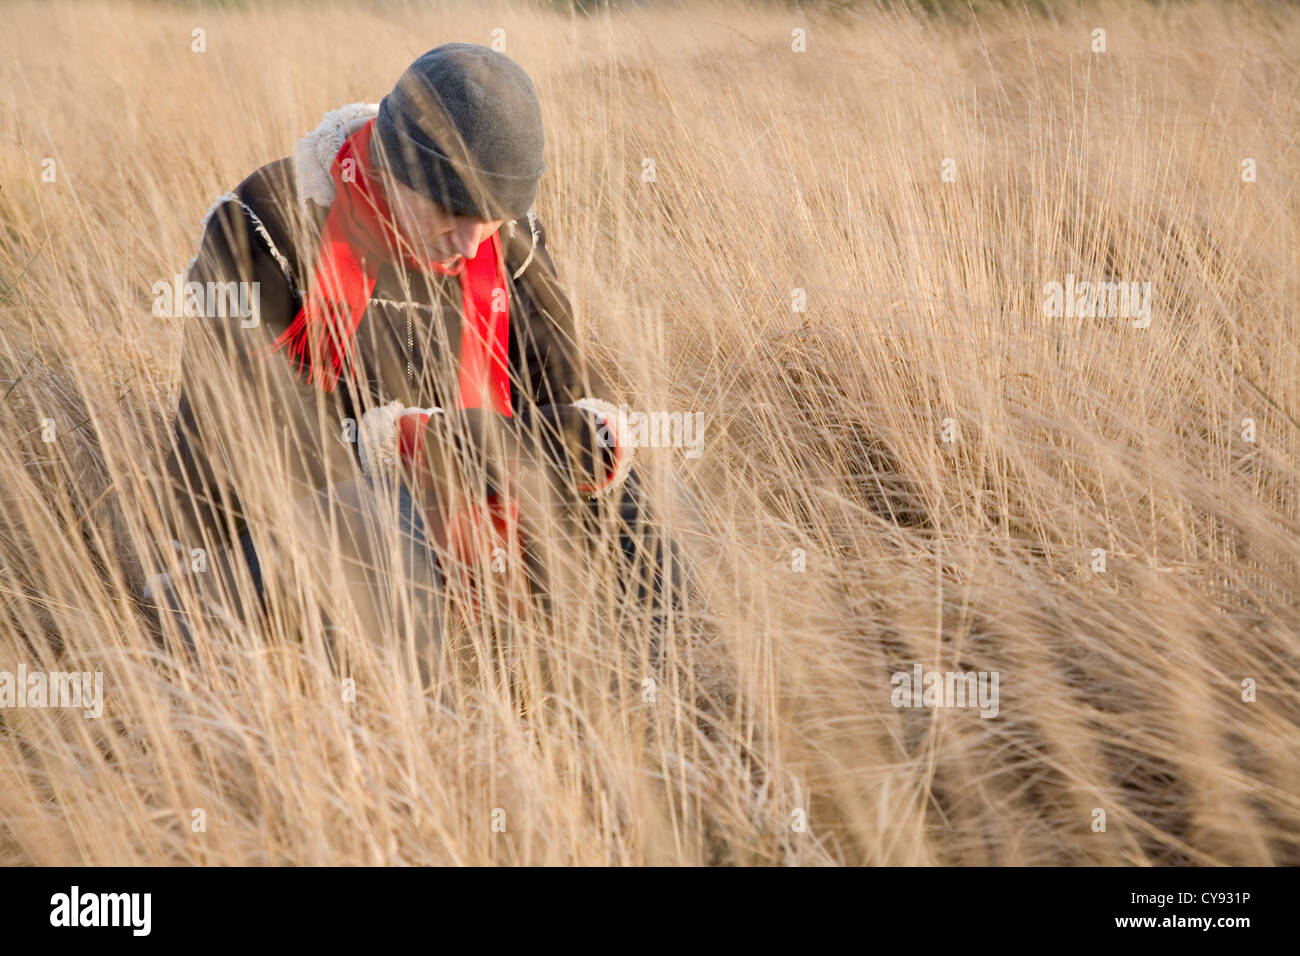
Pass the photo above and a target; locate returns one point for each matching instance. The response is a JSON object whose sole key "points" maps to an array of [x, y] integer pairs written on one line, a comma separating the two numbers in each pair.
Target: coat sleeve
{"points": [[556, 387], [248, 432], [547, 360]]}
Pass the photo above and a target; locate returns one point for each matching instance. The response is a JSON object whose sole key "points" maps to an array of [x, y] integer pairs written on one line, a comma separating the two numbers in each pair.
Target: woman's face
{"points": [[433, 232]]}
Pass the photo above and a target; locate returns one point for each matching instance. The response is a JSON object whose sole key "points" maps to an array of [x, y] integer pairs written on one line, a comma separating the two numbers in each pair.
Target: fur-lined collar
{"points": [[315, 152]]}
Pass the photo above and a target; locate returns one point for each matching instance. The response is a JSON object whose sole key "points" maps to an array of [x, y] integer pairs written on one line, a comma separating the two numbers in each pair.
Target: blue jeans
{"points": [[658, 573], [410, 523]]}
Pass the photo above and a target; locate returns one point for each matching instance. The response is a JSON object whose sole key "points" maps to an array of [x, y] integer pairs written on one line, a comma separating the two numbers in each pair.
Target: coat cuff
{"points": [[378, 437], [620, 453]]}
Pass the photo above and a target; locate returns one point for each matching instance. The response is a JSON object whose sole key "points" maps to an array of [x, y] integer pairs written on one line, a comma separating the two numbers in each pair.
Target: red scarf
{"points": [[359, 236]]}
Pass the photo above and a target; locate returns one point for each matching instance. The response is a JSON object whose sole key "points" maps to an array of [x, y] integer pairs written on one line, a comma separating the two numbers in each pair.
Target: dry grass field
{"points": [[841, 263]]}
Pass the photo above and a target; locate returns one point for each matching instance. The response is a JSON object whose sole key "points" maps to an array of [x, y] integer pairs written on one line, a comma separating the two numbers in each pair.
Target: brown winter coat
{"points": [[266, 231]]}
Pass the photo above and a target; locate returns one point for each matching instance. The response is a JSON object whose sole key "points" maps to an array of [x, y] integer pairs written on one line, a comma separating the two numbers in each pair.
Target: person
{"points": [[408, 323]]}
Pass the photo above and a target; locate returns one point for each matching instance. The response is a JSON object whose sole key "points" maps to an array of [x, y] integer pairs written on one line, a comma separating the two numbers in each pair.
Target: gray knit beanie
{"points": [[463, 126]]}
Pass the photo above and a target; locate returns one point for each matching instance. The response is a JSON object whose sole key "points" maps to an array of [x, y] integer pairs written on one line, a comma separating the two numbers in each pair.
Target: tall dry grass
{"points": [[1120, 690]]}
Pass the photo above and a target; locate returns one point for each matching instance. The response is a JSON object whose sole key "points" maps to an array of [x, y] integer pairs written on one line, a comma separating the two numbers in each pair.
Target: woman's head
{"points": [[462, 129]]}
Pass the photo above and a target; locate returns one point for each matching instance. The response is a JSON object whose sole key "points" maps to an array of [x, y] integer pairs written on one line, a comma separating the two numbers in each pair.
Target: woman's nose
{"points": [[467, 236]]}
